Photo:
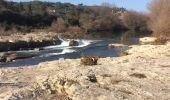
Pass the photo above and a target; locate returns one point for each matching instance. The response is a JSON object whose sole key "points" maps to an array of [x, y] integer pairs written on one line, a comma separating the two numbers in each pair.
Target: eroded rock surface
{"points": [[28, 41], [142, 75]]}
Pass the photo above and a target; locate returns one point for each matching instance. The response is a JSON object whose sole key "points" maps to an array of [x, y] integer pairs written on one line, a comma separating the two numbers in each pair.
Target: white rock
{"points": [[146, 40], [116, 45]]}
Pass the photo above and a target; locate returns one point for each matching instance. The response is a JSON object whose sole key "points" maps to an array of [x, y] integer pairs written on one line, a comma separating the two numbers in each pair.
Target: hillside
{"points": [[77, 20]]}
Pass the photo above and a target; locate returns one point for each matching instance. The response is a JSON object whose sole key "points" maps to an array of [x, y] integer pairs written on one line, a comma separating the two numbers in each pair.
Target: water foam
{"points": [[65, 51], [65, 44]]}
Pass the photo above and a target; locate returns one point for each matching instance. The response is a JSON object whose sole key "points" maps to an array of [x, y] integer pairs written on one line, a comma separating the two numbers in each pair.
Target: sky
{"points": [[138, 5]]}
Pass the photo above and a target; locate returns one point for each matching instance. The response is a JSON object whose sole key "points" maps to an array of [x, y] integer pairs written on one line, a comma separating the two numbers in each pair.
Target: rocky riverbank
{"points": [[141, 75], [28, 41]]}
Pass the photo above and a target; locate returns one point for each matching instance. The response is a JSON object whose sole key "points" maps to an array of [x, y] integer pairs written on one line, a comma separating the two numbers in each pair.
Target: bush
{"points": [[136, 21], [159, 18], [160, 41]]}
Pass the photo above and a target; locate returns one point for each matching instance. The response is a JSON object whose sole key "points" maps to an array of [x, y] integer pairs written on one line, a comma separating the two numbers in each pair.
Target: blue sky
{"points": [[138, 5]]}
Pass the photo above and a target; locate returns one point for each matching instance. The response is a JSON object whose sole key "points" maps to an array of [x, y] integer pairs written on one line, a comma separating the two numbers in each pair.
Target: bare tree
{"points": [[135, 21], [159, 18], [59, 25]]}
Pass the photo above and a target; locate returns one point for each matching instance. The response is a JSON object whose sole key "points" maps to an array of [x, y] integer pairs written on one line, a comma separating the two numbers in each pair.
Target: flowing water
{"points": [[64, 51]]}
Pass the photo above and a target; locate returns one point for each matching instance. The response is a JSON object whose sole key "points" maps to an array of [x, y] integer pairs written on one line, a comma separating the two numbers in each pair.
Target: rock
{"points": [[147, 40], [2, 59], [138, 75], [89, 60], [19, 44], [123, 54], [36, 49], [5, 46], [92, 78], [116, 45], [104, 80], [24, 45], [144, 74], [73, 43], [11, 56]]}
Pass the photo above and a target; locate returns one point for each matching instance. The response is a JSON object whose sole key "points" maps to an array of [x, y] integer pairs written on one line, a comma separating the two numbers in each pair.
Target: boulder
{"points": [[87, 60], [11, 56], [19, 44], [73, 43], [2, 59]]}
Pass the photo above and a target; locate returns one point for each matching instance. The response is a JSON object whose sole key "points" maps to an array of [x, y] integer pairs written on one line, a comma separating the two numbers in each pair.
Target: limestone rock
{"points": [[147, 40], [73, 43], [116, 45]]}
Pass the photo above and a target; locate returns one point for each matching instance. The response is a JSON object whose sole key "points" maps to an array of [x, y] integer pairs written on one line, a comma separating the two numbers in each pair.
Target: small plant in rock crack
{"points": [[89, 60]]}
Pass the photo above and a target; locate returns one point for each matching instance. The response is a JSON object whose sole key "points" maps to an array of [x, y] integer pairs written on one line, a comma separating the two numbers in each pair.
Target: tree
{"points": [[59, 25], [3, 3], [159, 18], [29, 9], [136, 21]]}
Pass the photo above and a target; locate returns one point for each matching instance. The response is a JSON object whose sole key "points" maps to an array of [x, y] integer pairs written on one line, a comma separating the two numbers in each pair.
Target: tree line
{"points": [[81, 19]]}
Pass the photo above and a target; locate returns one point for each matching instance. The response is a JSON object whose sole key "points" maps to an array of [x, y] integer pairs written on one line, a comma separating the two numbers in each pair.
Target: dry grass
{"points": [[160, 41]]}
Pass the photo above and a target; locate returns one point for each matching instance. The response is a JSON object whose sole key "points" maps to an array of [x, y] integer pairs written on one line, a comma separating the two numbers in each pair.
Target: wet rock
{"points": [[73, 43], [24, 45], [116, 46], [19, 44], [2, 59], [11, 56], [4, 46]]}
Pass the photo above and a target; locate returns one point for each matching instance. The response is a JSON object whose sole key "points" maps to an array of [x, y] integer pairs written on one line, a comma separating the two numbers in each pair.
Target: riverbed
{"points": [[63, 51], [143, 74]]}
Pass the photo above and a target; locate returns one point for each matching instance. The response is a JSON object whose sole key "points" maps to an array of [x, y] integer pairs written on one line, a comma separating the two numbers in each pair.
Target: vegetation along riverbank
{"points": [[65, 51]]}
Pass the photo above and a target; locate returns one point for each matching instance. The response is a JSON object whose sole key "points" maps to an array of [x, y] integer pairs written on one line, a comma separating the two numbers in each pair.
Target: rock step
{"points": [[21, 44]]}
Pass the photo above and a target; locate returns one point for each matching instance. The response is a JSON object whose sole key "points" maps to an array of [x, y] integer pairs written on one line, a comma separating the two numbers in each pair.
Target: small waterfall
{"points": [[83, 43], [59, 37], [65, 51], [65, 44]]}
